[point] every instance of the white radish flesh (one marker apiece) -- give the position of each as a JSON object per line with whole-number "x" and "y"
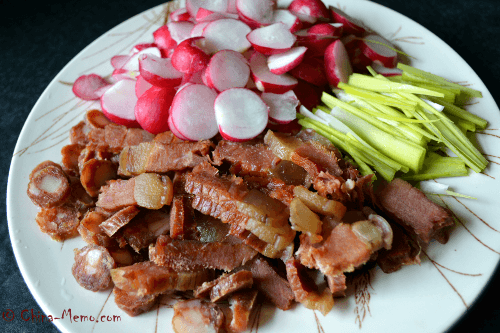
{"x": 379, "y": 49}
{"x": 273, "y": 39}
{"x": 282, "y": 107}
{"x": 351, "y": 25}
{"x": 141, "y": 86}
{"x": 120, "y": 74}
{"x": 89, "y": 87}
{"x": 377, "y": 67}
{"x": 180, "y": 31}
{"x": 227, "y": 69}
{"x": 205, "y": 15}
{"x": 267, "y": 81}
{"x": 255, "y": 13}
{"x": 198, "y": 28}
{"x": 283, "y": 62}
{"x": 193, "y": 6}
{"x": 241, "y": 114}
{"x": 118, "y": 61}
{"x": 174, "y": 129}
{"x": 227, "y": 34}
{"x": 118, "y": 103}
{"x": 189, "y": 56}
{"x": 309, "y": 11}
{"x": 133, "y": 62}
{"x": 193, "y": 113}
{"x": 285, "y": 16}
{"x": 151, "y": 109}
{"x": 337, "y": 64}
{"x": 159, "y": 71}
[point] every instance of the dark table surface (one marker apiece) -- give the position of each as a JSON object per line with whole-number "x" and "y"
{"x": 39, "y": 38}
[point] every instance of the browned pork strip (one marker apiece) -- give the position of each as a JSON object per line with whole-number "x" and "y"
{"x": 145, "y": 228}
{"x": 132, "y": 303}
{"x": 92, "y": 267}
{"x": 241, "y": 304}
{"x": 78, "y": 134}
{"x": 410, "y": 207}
{"x": 118, "y": 220}
{"x": 182, "y": 223}
{"x": 95, "y": 173}
{"x": 197, "y": 316}
{"x": 224, "y": 285}
{"x": 116, "y": 137}
{"x": 246, "y": 158}
{"x": 91, "y": 231}
{"x": 193, "y": 255}
{"x": 69, "y": 155}
{"x": 404, "y": 251}
{"x": 117, "y": 194}
{"x": 147, "y": 278}
{"x": 337, "y": 284}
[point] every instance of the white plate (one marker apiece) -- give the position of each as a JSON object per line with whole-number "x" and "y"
{"x": 425, "y": 298}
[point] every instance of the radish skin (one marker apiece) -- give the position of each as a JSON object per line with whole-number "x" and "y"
{"x": 141, "y": 86}
{"x": 118, "y": 103}
{"x": 309, "y": 11}
{"x": 283, "y": 62}
{"x": 164, "y": 40}
{"x": 272, "y": 39}
{"x": 189, "y": 56}
{"x": 265, "y": 80}
{"x": 284, "y": 16}
{"x": 241, "y": 114}
{"x": 152, "y": 109}
{"x": 378, "y": 49}
{"x": 351, "y": 25}
{"x": 159, "y": 71}
{"x": 180, "y": 14}
{"x": 174, "y": 129}
{"x": 337, "y": 65}
{"x": 312, "y": 70}
{"x": 255, "y": 13}
{"x": 193, "y": 6}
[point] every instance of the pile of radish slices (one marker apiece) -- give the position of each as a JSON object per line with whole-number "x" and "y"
{"x": 235, "y": 67}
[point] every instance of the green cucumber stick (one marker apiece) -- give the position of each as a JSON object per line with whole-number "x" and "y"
{"x": 437, "y": 166}
{"x": 373, "y": 96}
{"x": 456, "y": 111}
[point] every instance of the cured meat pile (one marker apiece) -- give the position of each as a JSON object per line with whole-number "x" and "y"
{"x": 283, "y": 218}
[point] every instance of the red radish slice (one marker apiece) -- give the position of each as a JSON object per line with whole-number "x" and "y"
{"x": 311, "y": 70}
{"x": 267, "y": 81}
{"x": 151, "y": 109}
{"x": 308, "y": 94}
{"x": 193, "y": 113}
{"x": 205, "y": 15}
{"x": 337, "y": 65}
{"x": 120, "y": 74}
{"x": 286, "y": 61}
{"x": 193, "y": 6}
{"x": 198, "y": 28}
{"x": 180, "y": 14}
{"x": 189, "y": 56}
{"x": 379, "y": 49}
{"x": 174, "y": 129}
{"x": 231, "y": 7}
{"x": 118, "y": 103}
{"x": 285, "y": 16}
{"x": 273, "y": 39}
{"x": 255, "y": 13}
{"x": 163, "y": 39}
{"x": 351, "y": 25}
{"x": 359, "y": 61}
{"x": 227, "y": 34}
{"x": 241, "y": 114}
{"x": 88, "y": 87}
{"x": 159, "y": 71}
{"x": 133, "y": 62}
{"x": 118, "y": 61}
{"x": 193, "y": 78}
{"x": 180, "y": 31}
{"x": 309, "y": 11}
{"x": 282, "y": 107}
{"x": 141, "y": 86}
{"x": 318, "y": 37}
{"x": 140, "y": 47}
{"x": 227, "y": 69}
{"x": 386, "y": 71}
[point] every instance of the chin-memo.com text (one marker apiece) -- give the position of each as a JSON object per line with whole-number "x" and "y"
{"x": 34, "y": 316}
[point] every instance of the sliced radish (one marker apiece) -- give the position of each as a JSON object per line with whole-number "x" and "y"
{"x": 180, "y": 31}
{"x": 120, "y": 74}
{"x": 309, "y": 11}
{"x": 267, "y": 81}
{"x": 255, "y": 13}
{"x": 205, "y": 15}
{"x": 159, "y": 71}
{"x": 141, "y": 46}
{"x": 193, "y": 6}
{"x": 351, "y": 25}
{"x": 180, "y": 14}
{"x": 133, "y": 62}
{"x": 198, "y": 28}
{"x": 386, "y": 71}
{"x": 379, "y": 49}
{"x": 273, "y": 39}
{"x": 193, "y": 78}
{"x": 193, "y": 113}
{"x": 312, "y": 70}
{"x": 231, "y": 7}
{"x": 282, "y": 107}
{"x": 227, "y": 69}
{"x": 118, "y": 103}
{"x": 174, "y": 129}
{"x": 292, "y": 127}
{"x": 141, "y": 86}
{"x": 152, "y": 109}
{"x": 227, "y": 34}
{"x": 286, "y": 61}
{"x": 318, "y": 37}
{"x": 89, "y": 87}
{"x": 189, "y": 56}
{"x": 292, "y": 22}
{"x": 308, "y": 94}
{"x": 241, "y": 114}
{"x": 118, "y": 61}
{"x": 163, "y": 40}
{"x": 337, "y": 64}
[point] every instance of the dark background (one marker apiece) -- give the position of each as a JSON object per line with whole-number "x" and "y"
{"x": 38, "y": 38}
